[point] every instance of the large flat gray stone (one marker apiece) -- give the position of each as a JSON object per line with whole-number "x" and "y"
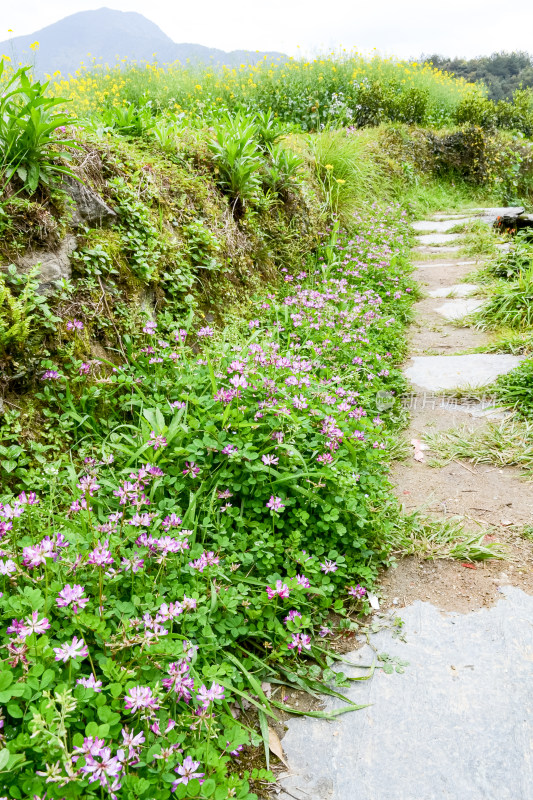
{"x": 437, "y": 373}
{"x": 437, "y": 238}
{"x": 457, "y": 725}
{"x": 443, "y": 264}
{"x": 457, "y": 290}
{"x": 435, "y": 226}
{"x": 431, "y": 249}
{"x": 457, "y": 309}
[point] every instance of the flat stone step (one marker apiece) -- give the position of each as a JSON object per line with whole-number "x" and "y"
{"x": 483, "y": 212}
{"x": 438, "y": 238}
{"x": 457, "y": 309}
{"x": 456, "y": 723}
{"x": 434, "y": 226}
{"x": 457, "y": 290}
{"x": 443, "y": 264}
{"x": 428, "y": 249}
{"x": 441, "y": 225}
{"x": 437, "y": 373}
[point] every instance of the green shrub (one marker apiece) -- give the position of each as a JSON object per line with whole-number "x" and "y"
{"x": 129, "y": 120}
{"x": 238, "y": 160}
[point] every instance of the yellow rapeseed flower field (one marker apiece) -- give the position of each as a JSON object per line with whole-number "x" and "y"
{"x": 308, "y": 92}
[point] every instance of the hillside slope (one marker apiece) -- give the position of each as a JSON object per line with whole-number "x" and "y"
{"x": 107, "y": 36}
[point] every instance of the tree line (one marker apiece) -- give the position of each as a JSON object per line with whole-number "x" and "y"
{"x": 502, "y": 73}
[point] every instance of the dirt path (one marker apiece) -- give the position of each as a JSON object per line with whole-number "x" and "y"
{"x": 457, "y": 721}
{"x": 483, "y": 497}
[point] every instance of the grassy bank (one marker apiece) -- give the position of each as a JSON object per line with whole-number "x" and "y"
{"x": 197, "y": 420}
{"x": 228, "y": 502}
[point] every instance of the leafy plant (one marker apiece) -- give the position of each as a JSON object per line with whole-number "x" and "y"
{"x": 509, "y": 264}
{"x": 281, "y": 171}
{"x": 30, "y": 149}
{"x": 237, "y": 159}
{"x": 131, "y": 119}
{"x": 21, "y": 307}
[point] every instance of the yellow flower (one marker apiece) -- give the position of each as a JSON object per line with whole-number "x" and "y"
{"x": 34, "y": 46}
{"x": 340, "y": 180}
{"x": 329, "y": 166}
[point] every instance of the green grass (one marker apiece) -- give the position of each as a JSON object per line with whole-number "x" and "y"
{"x": 527, "y": 533}
{"x": 508, "y": 443}
{"x": 348, "y": 170}
{"x": 418, "y": 535}
{"x": 513, "y": 342}
{"x": 516, "y": 389}
{"x": 510, "y": 304}
{"x": 479, "y": 240}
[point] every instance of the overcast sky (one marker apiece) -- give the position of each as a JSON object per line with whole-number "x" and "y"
{"x": 408, "y": 28}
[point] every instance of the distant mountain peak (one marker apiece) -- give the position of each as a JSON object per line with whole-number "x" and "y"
{"x": 108, "y": 36}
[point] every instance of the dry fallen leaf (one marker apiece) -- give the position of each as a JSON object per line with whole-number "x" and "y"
{"x": 274, "y": 745}
{"x": 418, "y": 455}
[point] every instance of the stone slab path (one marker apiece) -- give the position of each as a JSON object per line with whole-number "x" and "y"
{"x": 436, "y": 373}
{"x": 458, "y": 723}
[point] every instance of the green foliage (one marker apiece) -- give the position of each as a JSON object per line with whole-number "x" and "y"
{"x": 519, "y": 258}
{"x": 30, "y": 150}
{"x": 248, "y": 158}
{"x": 502, "y": 73}
{"x": 219, "y": 496}
{"x": 510, "y": 304}
{"x": 130, "y": 119}
{"x": 516, "y": 388}
{"x": 282, "y": 169}
{"x": 348, "y": 170}
{"x": 237, "y": 159}
{"x": 23, "y": 311}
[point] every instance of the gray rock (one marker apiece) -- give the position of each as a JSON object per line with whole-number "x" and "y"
{"x": 456, "y": 725}
{"x": 457, "y": 309}
{"x": 437, "y": 238}
{"x": 457, "y": 290}
{"x": 436, "y": 250}
{"x": 434, "y": 226}
{"x": 54, "y": 265}
{"x": 440, "y": 264}
{"x": 89, "y": 208}
{"x": 436, "y": 373}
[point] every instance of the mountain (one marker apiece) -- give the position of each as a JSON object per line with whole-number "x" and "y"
{"x": 107, "y": 36}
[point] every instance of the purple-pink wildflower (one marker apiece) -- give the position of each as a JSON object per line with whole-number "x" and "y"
{"x": 76, "y": 649}
{"x": 275, "y": 504}
{"x": 187, "y": 772}
{"x": 207, "y": 696}
{"x": 72, "y": 595}
{"x": 280, "y": 590}
{"x": 140, "y": 697}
